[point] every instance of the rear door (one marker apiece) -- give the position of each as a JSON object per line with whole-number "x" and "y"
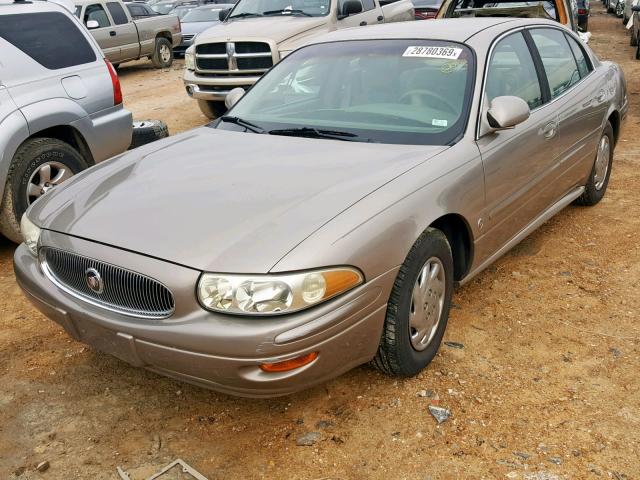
{"x": 126, "y": 31}
{"x": 370, "y": 15}
{"x": 516, "y": 162}
{"x": 104, "y": 34}
{"x": 579, "y": 100}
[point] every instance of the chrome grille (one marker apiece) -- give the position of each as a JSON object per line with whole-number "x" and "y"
{"x": 122, "y": 290}
{"x": 222, "y": 58}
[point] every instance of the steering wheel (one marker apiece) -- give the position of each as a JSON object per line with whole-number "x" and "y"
{"x": 434, "y": 97}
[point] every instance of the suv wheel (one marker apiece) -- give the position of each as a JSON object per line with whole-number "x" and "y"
{"x": 38, "y": 166}
{"x": 212, "y": 110}
{"x": 418, "y": 307}
{"x": 163, "y": 54}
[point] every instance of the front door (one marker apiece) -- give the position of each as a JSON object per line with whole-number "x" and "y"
{"x": 104, "y": 34}
{"x": 370, "y": 15}
{"x": 516, "y": 162}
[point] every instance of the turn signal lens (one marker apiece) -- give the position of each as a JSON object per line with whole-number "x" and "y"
{"x": 289, "y": 365}
{"x": 274, "y": 294}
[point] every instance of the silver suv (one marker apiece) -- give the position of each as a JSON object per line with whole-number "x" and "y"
{"x": 60, "y": 105}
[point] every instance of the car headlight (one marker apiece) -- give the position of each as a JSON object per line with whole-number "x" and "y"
{"x": 190, "y": 59}
{"x": 274, "y": 294}
{"x": 30, "y": 234}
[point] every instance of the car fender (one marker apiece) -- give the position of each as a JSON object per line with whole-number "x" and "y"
{"x": 52, "y": 112}
{"x": 376, "y": 234}
{"x": 14, "y": 131}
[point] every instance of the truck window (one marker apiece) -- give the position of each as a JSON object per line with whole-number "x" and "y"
{"x": 97, "y": 13}
{"x": 117, "y": 13}
{"x": 50, "y": 38}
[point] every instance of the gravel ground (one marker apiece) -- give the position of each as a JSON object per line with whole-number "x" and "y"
{"x": 545, "y": 385}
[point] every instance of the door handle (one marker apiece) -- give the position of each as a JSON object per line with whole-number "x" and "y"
{"x": 550, "y": 130}
{"x": 380, "y": 18}
{"x": 362, "y": 24}
{"x": 112, "y": 33}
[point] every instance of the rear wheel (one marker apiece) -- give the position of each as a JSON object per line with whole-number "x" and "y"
{"x": 212, "y": 110}
{"x": 163, "y": 54}
{"x": 601, "y": 171}
{"x": 418, "y": 308}
{"x": 148, "y": 131}
{"x": 633, "y": 38}
{"x": 39, "y": 165}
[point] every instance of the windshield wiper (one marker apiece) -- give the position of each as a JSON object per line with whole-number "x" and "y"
{"x": 288, "y": 10}
{"x": 319, "y": 133}
{"x": 243, "y": 123}
{"x": 246, "y": 14}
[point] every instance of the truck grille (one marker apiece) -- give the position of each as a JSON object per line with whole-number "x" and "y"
{"x": 187, "y": 38}
{"x": 234, "y": 57}
{"x": 115, "y": 288}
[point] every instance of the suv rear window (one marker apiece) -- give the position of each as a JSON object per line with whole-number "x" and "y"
{"x": 50, "y": 38}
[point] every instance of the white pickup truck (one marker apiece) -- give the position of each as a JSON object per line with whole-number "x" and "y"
{"x": 256, "y": 34}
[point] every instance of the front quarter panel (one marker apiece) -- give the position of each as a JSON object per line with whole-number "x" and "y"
{"x": 376, "y": 234}
{"x": 13, "y": 131}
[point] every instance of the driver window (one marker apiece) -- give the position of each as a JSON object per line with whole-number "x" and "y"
{"x": 512, "y": 72}
{"x": 559, "y": 63}
{"x": 97, "y": 13}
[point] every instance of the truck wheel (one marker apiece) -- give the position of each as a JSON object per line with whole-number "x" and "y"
{"x": 418, "y": 307}
{"x": 148, "y": 131}
{"x": 163, "y": 54}
{"x": 212, "y": 110}
{"x": 633, "y": 41}
{"x": 38, "y": 166}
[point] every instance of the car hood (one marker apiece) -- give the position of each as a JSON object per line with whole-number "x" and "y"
{"x": 193, "y": 28}
{"x": 276, "y": 28}
{"x": 219, "y": 200}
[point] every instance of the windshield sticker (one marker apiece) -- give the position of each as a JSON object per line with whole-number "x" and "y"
{"x": 439, "y": 123}
{"x": 449, "y": 53}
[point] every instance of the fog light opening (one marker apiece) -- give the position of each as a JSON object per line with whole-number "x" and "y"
{"x": 288, "y": 365}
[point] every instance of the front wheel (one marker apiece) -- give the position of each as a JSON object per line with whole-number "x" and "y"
{"x": 418, "y": 308}
{"x": 163, "y": 53}
{"x": 596, "y": 186}
{"x": 212, "y": 110}
{"x": 39, "y": 165}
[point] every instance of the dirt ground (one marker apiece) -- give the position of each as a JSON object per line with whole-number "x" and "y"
{"x": 545, "y": 386}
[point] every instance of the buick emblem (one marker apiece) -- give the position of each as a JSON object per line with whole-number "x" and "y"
{"x": 94, "y": 280}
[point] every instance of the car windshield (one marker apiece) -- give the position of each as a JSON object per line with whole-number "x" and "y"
{"x": 313, "y": 8}
{"x": 486, "y": 8}
{"x": 163, "y": 8}
{"x": 388, "y": 91}
{"x": 202, "y": 15}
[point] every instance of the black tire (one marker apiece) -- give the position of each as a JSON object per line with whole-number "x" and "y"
{"x": 163, "y": 53}
{"x": 396, "y": 353}
{"x": 633, "y": 38}
{"x": 31, "y": 155}
{"x": 148, "y": 131}
{"x": 592, "y": 194}
{"x": 638, "y": 51}
{"x": 116, "y": 66}
{"x": 212, "y": 110}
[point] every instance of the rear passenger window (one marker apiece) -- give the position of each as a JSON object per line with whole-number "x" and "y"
{"x": 50, "y": 38}
{"x": 97, "y": 13}
{"x": 117, "y": 13}
{"x": 584, "y": 67}
{"x": 559, "y": 64}
{"x": 512, "y": 72}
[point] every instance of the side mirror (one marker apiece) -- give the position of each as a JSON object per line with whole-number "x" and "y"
{"x": 350, "y": 7}
{"x": 233, "y": 96}
{"x": 507, "y": 112}
{"x": 222, "y": 14}
{"x": 91, "y": 24}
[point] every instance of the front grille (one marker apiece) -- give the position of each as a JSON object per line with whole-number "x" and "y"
{"x": 234, "y": 57}
{"x": 123, "y": 291}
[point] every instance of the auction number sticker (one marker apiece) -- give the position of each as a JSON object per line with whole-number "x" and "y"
{"x": 449, "y": 53}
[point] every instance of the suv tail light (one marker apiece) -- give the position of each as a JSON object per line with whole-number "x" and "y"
{"x": 582, "y": 11}
{"x": 117, "y": 91}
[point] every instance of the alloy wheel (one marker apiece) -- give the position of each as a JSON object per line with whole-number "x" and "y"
{"x": 427, "y": 302}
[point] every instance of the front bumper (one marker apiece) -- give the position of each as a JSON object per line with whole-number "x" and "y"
{"x": 203, "y": 87}
{"x": 215, "y": 351}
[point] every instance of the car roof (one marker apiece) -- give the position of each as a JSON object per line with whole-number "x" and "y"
{"x": 214, "y": 6}
{"x": 452, "y": 29}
